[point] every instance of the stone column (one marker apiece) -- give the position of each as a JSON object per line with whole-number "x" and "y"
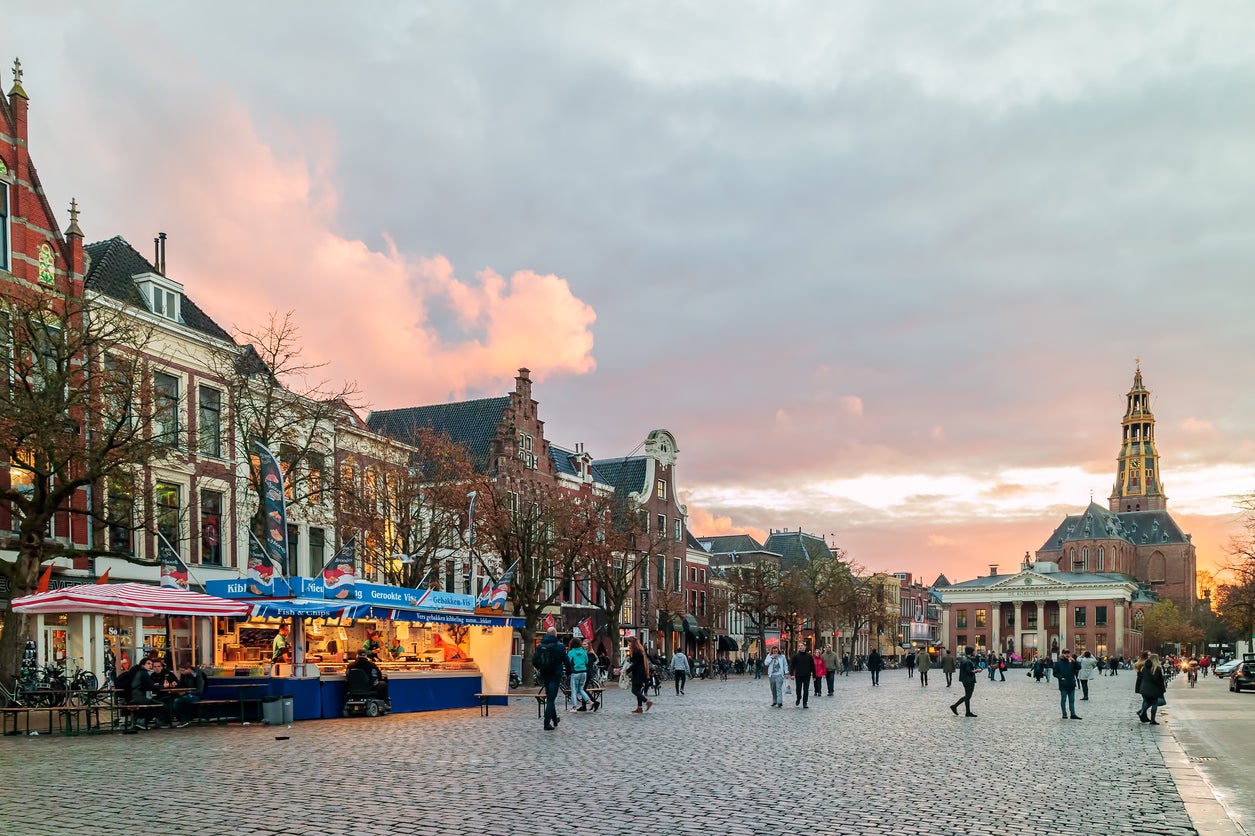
{"x": 1063, "y": 624}
{"x": 1118, "y": 644}
{"x": 995, "y": 617}
{"x": 1043, "y": 635}
{"x": 946, "y": 638}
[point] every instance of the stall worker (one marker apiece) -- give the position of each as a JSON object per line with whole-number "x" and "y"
{"x": 280, "y": 643}
{"x": 372, "y": 645}
{"x": 395, "y": 650}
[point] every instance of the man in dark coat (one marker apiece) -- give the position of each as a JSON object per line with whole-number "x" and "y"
{"x": 1065, "y": 674}
{"x": 967, "y": 678}
{"x": 803, "y": 666}
{"x": 947, "y": 667}
{"x": 875, "y": 664}
{"x": 552, "y": 677}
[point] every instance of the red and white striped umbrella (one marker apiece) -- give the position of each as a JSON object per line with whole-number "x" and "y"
{"x": 128, "y": 599}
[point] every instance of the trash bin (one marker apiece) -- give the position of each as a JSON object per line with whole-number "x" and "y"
{"x": 285, "y": 702}
{"x": 272, "y": 711}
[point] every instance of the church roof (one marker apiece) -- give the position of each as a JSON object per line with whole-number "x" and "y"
{"x": 1135, "y": 527}
{"x": 473, "y": 424}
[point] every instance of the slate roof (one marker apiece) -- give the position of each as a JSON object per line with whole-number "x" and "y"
{"x": 691, "y": 542}
{"x": 115, "y": 263}
{"x": 626, "y": 475}
{"x": 941, "y": 582}
{"x": 728, "y": 543}
{"x": 563, "y": 463}
{"x": 1097, "y": 523}
{"x": 796, "y": 547}
{"x": 1064, "y": 577}
{"x": 473, "y": 424}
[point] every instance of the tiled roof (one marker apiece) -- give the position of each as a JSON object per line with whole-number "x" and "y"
{"x": 1097, "y": 523}
{"x": 564, "y": 463}
{"x": 473, "y": 424}
{"x": 113, "y": 265}
{"x": 691, "y": 542}
{"x": 796, "y": 547}
{"x": 728, "y": 543}
{"x": 627, "y": 475}
{"x": 941, "y": 582}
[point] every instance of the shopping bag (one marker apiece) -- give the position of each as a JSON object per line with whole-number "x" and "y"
{"x": 788, "y": 688}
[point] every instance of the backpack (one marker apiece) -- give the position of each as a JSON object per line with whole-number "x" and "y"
{"x": 546, "y": 659}
{"x": 122, "y": 682}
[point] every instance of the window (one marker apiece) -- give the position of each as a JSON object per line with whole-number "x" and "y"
{"x": 121, "y": 514}
{"x": 1084, "y": 561}
{"x": 165, "y": 302}
{"x": 211, "y": 527}
{"x": 1011, "y": 617}
{"x": 209, "y": 421}
{"x": 980, "y": 641}
{"x": 643, "y": 518}
{"x": 662, "y": 525}
{"x": 962, "y": 640}
{"x": 287, "y": 464}
{"x": 1078, "y": 644}
{"x": 1080, "y": 617}
{"x": 317, "y": 550}
{"x": 167, "y": 501}
{"x": 6, "y": 351}
{"x": 22, "y": 479}
{"x": 294, "y": 542}
{"x": 662, "y": 489}
{"x": 960, "y": 619}
{"x": 166, "y": 409}
{"x": 448, "y": 576}
{"x": 679, "y": 529}
{"x": 662, "y": 572}
{"x": 980, "y": 618}
{"x": 315, "y": 463}
{"x": 1100, "y": 644}
{"x": 1102, "y": 561}
{"x": 1100, "y": 616}
{"x": 1030, "y": 619}
{"x": 678, "y": 572}
{"x": 4, "y": 223}
{"x": 1052, "y": 618}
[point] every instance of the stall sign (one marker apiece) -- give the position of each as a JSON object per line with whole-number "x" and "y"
{"x": 238, "y": 588}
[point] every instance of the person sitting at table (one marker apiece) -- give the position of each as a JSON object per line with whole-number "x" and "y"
{"x": 378, "y": 681}
{"x": 185, "y": 704}
{"x": 162, "y": 677}
{"x": 142, "y": 693}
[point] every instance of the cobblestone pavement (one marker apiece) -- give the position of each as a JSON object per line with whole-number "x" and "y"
{"x": 889, "y": 760}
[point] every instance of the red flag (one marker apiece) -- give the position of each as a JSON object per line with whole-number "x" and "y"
{"x": 45, "y": 579}
{"x": 104, "y": 578}
{"x": 586, "y": 628}
{"x": 547, "y": 623}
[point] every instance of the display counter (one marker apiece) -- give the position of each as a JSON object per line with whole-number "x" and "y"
{"x": 323, "y": 696}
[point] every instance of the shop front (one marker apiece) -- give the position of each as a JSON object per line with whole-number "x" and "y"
{"x": 435, "y": 650}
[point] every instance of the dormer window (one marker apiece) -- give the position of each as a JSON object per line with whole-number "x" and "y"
{"x": 164, "y": 297}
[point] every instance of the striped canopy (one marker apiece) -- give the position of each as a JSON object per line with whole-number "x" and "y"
{"x": 128, "y": 599}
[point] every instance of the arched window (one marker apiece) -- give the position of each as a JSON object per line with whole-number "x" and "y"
{"x": 1102, "y": 562}
{"x": 1084, "y": 564}
{"x": 1072, "y": 554}
{"x": 1156, "y": 568}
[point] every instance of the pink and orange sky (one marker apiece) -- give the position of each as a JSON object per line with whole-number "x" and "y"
{"x": 883, "y": 275}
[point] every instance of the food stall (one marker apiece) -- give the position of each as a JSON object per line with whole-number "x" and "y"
{"x": 436, "y": 651}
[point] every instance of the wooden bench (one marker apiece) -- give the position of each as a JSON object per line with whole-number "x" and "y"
{"x": 70, "y": 717}
{"x": 485, "y": 696}
{"x": 594, "y": 692}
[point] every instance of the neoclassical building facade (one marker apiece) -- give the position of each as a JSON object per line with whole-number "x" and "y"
{"x": 1097, "y": 572}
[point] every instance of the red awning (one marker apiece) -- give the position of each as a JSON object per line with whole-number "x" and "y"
{"x": 128, "y": 599}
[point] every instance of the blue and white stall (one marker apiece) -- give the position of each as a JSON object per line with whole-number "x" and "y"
{"x": 436, "y": 651}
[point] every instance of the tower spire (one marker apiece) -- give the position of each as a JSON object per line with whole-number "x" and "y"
{"x": 1137, "y": 486}
{"x": 17, "y": 80}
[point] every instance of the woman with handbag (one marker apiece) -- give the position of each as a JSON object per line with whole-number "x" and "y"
{"x": 639, "y": 673}
{"x": 1151, "y": 685}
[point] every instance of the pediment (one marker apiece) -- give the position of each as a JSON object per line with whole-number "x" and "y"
{"x": 1030, "y": 580}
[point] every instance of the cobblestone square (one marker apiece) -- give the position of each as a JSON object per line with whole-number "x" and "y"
{"x": 891, "y": 760}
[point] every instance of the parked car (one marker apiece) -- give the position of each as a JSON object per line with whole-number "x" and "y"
{"x": 1227, "y": 668}
{"x": 1243, "y": 676}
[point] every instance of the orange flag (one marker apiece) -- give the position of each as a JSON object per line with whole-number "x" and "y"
{"x": 103, "y": 578}
{"x": 45, "y": 579}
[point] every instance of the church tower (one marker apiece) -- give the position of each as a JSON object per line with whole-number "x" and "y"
{"x": 1137, "y": 486}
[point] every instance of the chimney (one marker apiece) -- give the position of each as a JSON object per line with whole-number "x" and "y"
{"x": 161, "y": 238}
{"x": 993, "y": 570}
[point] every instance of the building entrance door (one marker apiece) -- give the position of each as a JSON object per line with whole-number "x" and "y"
{"x": 1028, "y": 646}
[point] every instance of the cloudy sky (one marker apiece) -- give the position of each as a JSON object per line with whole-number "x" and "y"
{"x": 883, "y": 269}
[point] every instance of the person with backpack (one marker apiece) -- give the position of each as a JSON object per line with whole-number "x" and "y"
{"x": 550, "y": 661}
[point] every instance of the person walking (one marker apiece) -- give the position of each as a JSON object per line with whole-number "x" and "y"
{"x": 991, "y": 663}
{"x": 947, "y": 667}
{"x": 875, "y": 664}
{"x": 803, "y": 665}
{"x": 1152, "y": 685}
{"x": 550, "y": 660}
{"x": 776, "y": 670}
{"x": 910, "y": 665}
{"x": 821, "y": 671}
{"x": 924, "y": 663}
{"x": 845, "y": 665}
{"x": 1065, "y": 674}
{"x": 639, "y": 674}
{"x": 830, "y": 662}
{"x": 1088, "y": 666}
{"x": 580, "y": 663}
{"x": 967, "y": 678}
{"x": 679, "y": 670}
{"x": 1002, "y": 668}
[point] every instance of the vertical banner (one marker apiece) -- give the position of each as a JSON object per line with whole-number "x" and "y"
{"x": 273, "y": 509}
{"x": 261, "y": 570}
{"x": 173, "y": 569}
{"x": 492, "y": 600}
{"x": 470, "y": 520}
{"x": 548, "y": 622}
{"x": 339, "y": 576}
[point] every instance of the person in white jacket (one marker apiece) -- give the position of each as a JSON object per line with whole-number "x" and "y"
{"x": 776, "y": 668}
{"x": 1088, "y": 667}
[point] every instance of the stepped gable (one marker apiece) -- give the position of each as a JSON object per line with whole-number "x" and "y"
{"x": 111, "y": 271}
{"x": 473, "y": 424}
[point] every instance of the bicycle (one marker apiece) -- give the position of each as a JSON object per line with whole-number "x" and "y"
{"x": 1192, "y": 676}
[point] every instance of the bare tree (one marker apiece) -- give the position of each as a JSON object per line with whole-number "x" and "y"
{"x": 78, "y": 410}
{"x": 752, "y": 590}
{"x": 280, "y": 399}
